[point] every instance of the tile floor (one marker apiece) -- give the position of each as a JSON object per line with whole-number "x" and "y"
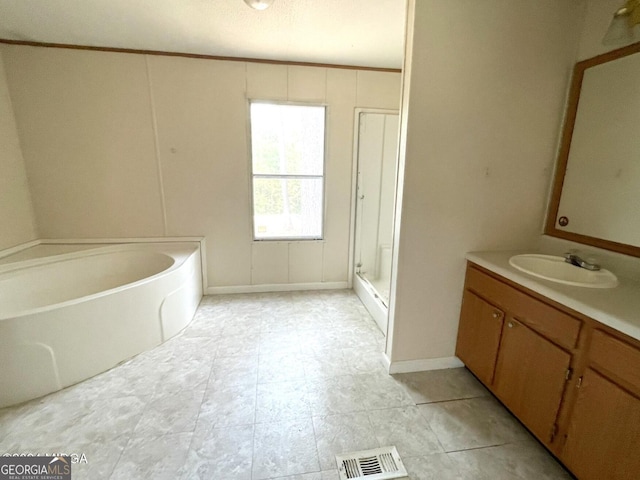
{"x": 272, "y": 386}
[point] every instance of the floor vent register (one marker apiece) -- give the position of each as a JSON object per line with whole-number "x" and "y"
{"x": 377, "y": 464}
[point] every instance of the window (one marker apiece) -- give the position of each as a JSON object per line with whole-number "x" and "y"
{"x": 287, "y": 160}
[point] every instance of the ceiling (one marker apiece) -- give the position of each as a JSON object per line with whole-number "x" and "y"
{"x": 343, "y": 32}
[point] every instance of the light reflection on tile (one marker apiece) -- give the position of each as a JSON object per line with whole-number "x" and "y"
{"x": 280, "y": 367}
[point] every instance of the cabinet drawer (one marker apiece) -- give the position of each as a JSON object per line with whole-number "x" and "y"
{"x": 616, "y": 356}
{"x": 554, "y": 324}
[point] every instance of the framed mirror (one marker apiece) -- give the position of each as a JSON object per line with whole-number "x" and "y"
{"x": 596, "y": 191}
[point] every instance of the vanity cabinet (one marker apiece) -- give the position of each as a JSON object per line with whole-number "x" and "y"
{"x": 573, "y": 382}
{"x": 479, "y": 335}
{"x": 530, "y": 378}
{"x": 519, "y": 347}
{"x": 603, "y": 435}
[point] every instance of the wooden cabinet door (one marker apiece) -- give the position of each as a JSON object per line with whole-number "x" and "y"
{"x": 479, "y": 336}
{"x": 530, "y": 379}
{"x": 603, "y": 439}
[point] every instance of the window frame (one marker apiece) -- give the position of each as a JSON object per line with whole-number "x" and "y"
{"x": 252, "y": 175}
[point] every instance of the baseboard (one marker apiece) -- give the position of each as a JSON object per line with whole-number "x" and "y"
{"x": 277, "y": 287}
{"x": 422, "y": 365}
{"x": 386, "y": 361}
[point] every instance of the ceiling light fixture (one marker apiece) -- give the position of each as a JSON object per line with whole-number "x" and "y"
{"x": 624, "y": 28}
{"x": 259, "y": 4}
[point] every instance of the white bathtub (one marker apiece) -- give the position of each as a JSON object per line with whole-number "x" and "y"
{"x": 67, "y": 317}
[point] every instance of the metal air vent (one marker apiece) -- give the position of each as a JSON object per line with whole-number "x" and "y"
{"x": 377, "y": 464}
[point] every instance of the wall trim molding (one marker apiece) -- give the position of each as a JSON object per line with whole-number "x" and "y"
{"x": 192, "y": 55}
{"x": 18, "y": 248}
{"x": 408, "y": 366}
{"x": 277, "y": 287}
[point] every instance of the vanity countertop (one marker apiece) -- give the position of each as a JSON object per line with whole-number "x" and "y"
{"x": 618, "y": 307}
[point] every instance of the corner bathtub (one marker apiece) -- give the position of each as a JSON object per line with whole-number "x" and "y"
{"x": 67, "y": 317}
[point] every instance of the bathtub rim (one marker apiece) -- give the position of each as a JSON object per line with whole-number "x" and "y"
{"x": 175, "y": 250}
{"x": 106, "y": 241}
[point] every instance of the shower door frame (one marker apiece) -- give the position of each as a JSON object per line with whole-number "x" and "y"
{"x": 354, "y": 195}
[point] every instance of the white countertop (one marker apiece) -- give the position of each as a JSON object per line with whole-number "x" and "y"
{"x": 618, "y": 307}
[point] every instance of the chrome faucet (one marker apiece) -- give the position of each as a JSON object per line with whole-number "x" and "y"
{"x": 574, "y": 259}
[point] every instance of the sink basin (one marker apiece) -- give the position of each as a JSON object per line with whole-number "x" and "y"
{"x": 557, "y": 270}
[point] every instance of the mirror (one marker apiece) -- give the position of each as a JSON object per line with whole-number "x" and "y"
{"x": 596, "y": 193}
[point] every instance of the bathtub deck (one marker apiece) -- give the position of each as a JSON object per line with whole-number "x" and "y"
{"x": 272, "y": 386}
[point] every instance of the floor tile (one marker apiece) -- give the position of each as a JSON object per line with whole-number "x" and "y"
{"x": 405, "y": 428}
{"x": 331, "y": 364}
{"x": 153, "y": 457}
{"x": 173, "y": 413}
{"x": 472, "y": 423}
{"x": 282, "y": 401}
{"x": 224, "y": 453}
{"x": 359, "y": 361}
{"x": 284, "y": 448}
{"x": 437, "y": 466}
{"x": 303, "y": 476}
{"x": 381, "y": 391}
{"x": 228, "y": 405}
{"x": 441, "y": 385}
{"x": 342, "y": 434}
{"x": 241, "y": 370}
{"x": 245, "y": 326}
{"x": 334, "y": 395}
{"x": 237, "y": 345}
{"x": 272, "y": 385}
{"x": 49, "y": 425}
{"x": 280, "y": 367}
{"x": 101, "y": 459}
{"x": 508, "y": 462}
{"x": 279, "y": 341}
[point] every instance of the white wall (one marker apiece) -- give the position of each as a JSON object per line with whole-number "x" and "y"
{"x": 596, "y": 22}
{"x": 17, "y": 223}
{"x": 128, "y": 145}
{"x": 483, "y": 101}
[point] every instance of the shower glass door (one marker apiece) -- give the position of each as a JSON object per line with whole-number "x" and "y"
{"x": 377, "y": 162}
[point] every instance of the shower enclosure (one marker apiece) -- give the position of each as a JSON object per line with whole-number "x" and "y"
{"x": 377, "y": 153}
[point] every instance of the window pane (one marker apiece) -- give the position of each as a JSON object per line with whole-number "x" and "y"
{"x": 286, "y": 208}
{"x": 287, "y": 139}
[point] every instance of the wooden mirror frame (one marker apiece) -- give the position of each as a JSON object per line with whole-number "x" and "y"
{"x": 563, "y": 156}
